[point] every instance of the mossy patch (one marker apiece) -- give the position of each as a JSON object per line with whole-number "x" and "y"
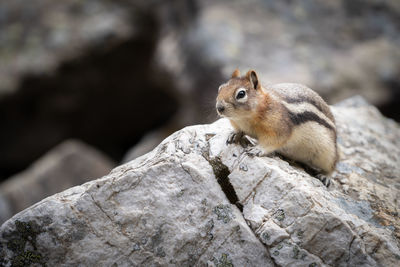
{"x": 296, "y": 252}
{"x": 223, "y": 261}
{"x": 300, "y": 233}
{"x": 265, "y": 236}
{"x": 22, "y": 242}
{"x": 224, "y": 213}
{"x": 280, "y": 215}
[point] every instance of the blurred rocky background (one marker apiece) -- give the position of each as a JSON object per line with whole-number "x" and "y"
{"x": 109, "y": 79}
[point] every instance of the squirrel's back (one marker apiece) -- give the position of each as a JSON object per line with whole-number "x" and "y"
{"x": 314, "y": 140}
{"x": 298, "y": 94}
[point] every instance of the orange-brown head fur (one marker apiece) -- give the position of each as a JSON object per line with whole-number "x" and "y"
{"x": 230, "y": 104}
{"x": 257, "y": 114}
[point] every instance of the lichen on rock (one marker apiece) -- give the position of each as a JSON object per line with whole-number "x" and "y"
{"x": 22, "y": 242}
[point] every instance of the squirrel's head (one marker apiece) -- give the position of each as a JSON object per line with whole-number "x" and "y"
{"x": 238, "y": 96}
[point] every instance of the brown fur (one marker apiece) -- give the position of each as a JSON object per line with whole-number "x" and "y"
{"x": 264, "y": 119}
{"x": 236, "y": 73}
{"x": 265, "y": 115}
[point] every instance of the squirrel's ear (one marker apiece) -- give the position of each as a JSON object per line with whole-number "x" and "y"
{"x": 236, "y": 73}
{"x": 253, "y": 78}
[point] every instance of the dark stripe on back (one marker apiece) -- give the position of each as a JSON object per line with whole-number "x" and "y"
{"x": 303, "y": 117}
{"x": 291, "y": 100}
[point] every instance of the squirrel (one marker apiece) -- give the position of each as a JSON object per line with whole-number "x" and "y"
{"x": 287, "y": 118}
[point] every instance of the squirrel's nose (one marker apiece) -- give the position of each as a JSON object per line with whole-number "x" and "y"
{"x": 220, "y": 108}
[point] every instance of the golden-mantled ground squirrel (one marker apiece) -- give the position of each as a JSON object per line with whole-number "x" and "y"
{"x": 287, "y": 118}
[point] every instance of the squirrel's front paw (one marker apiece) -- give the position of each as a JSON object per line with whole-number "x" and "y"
{"x": 240, "y": 138}
{"x": 234, "y": 138}
{"x": 324, "y": 179}
{"x": 255, "y": 152}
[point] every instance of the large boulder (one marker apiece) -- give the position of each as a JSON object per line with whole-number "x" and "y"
{"x": 194, "y": 200}
{"x": 69, "y": 164}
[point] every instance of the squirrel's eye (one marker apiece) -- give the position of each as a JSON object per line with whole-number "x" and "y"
{"x": 241, "y": 94}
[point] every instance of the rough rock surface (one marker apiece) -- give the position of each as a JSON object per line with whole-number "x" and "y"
{"x": 68, "y": 164}
{"x": 195, "y": 201}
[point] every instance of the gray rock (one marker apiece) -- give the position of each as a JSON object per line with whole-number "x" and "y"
{"x": 194, "y": 200}
{"x": 165, "y": 208}
{"x": 68, "y": 164}
{"x": 146, "y": 144}
{"x": 5, "y": 209}
{"x": 37, "y": 36}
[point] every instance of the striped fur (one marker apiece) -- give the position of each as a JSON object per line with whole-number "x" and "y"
{"x": 307, "y": 116}
{"x": 288, "y": 118}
